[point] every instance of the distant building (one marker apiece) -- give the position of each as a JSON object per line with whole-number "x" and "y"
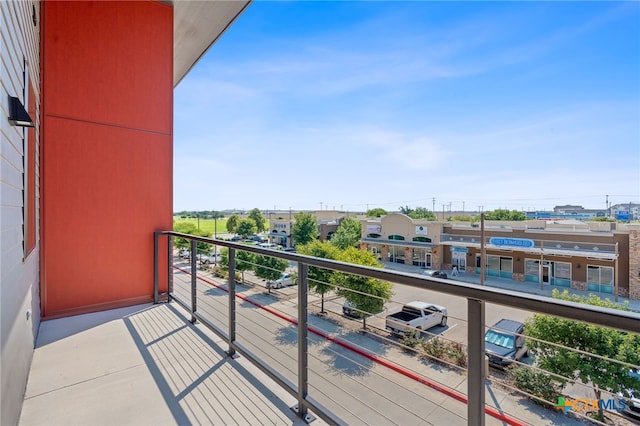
{"x": 328, "y": 223}
{"x": 628, "y": 211}
{"x": 602, "y": 257}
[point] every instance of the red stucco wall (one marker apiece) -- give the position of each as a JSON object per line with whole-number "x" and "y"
{"x": 106, "y": 151}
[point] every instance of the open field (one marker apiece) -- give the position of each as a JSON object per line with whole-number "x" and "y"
{"x": 212, "y": 227}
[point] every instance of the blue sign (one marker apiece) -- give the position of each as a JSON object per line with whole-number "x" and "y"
{"x": 511, "y": 242}
{"x": 459, "y": 249}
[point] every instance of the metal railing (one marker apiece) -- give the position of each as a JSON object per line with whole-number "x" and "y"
{"x": 475, "y": 295}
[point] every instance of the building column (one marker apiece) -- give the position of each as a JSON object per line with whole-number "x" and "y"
{"x": 634, "y": 264}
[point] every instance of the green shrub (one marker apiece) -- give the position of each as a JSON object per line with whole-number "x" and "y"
{"x": 456, "y": 354}
{"x": 434, "y": 347}
{"x": 537, "y": 383}
{"x": 410, "y": 340}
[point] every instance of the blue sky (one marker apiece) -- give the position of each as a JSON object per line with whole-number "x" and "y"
{"x": 356, "y": 104}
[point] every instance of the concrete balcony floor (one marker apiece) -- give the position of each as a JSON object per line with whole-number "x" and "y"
{"x": 145, "y": 365}
{"x": 148, "y": 365}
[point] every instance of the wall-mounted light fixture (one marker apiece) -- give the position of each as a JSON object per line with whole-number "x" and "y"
{"x": 578, "y": 266}
{"x": 517, "y": 259}
{"x": 18, "y": 116}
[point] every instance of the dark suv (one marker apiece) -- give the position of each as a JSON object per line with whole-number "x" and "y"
{"x": 504, "y": 343}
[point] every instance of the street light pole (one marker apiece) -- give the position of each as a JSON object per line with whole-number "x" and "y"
{"x": 482, "y": 250}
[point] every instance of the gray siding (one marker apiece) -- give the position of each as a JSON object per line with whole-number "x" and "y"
{"x": 19, "y": 276}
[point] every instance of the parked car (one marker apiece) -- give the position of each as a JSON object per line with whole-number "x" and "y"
{"x": 416, "y": 315}
{"x": 208, "y": 258}
{"x": 285, "y": 280}
{"x": 236, "y": 238}
{"x": 269, "y": 246}
{"x": 351, "y": 310}
{"x": 184, "y": 253}
{"x": 435, "y": 273}
{"x": 631, "y": 398}
{"x": 504, "y": 343}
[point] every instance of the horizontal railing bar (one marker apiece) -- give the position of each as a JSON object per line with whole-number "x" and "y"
{"x": 607, "y": 317}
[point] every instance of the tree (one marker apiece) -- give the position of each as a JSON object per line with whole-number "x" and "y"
{"x": 418, "y": 213}
{"x": 232, "y": 223}
{"x": 463, "y": 219}
{"x": 377, "y": 212}
{"x": 183, "y": 228}
{"x": 269, "y": 268}
{"x": 348, "y": 233}
{"x": 422, "y": 213}
{"x": 259, "y": 219}
{"x": 608, "y": 343}
{"x": 191, "y": 229}
{"x": 246, "y": 227}
{"x": 320, "y": 279}
{"x": 305, "y": 228}
{"x": 504, "y": 214}
{"x": 367, "y": 294}
{"x": 245, "y": 261}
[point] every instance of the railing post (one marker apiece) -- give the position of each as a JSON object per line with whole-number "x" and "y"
{"x": 476, "y": 367}
{"x": 169, "y": 267}
{"x": 232, "y": 302}
{"x": 303, "y": 351}
{"x": 194, "y": 279}
{"x": 156, "y": 273}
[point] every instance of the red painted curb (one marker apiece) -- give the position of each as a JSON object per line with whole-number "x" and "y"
{"x": 384, "y": 362}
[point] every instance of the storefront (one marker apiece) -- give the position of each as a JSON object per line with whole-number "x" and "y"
{"x": 553, "y": 254}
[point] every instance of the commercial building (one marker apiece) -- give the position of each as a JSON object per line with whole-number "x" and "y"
{"x": 603, "y": 257}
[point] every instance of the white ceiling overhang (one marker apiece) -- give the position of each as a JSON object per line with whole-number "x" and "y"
{"x": 197, "y": 25}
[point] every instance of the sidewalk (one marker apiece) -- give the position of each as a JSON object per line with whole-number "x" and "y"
{"x": 524, "y": 287}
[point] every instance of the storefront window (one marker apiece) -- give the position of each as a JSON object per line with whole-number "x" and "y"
{"x": 562, "y": 274}
{"x": 499, "y": 266}
{"x": 600, "y": 278}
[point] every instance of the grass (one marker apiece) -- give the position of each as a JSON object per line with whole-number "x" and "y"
{"x": 209, "y": 225}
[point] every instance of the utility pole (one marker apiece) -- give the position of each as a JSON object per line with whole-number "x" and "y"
{"x": 615, "y": 275}
{"x": 434, "y": 205}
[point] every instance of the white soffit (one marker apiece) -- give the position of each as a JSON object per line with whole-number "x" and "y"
{"x": 197, "y": 24}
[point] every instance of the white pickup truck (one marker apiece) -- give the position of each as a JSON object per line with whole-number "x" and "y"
{"x": 416, "y": 315}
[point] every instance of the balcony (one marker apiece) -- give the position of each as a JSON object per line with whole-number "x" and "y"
{"x": 235, "y": 352}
